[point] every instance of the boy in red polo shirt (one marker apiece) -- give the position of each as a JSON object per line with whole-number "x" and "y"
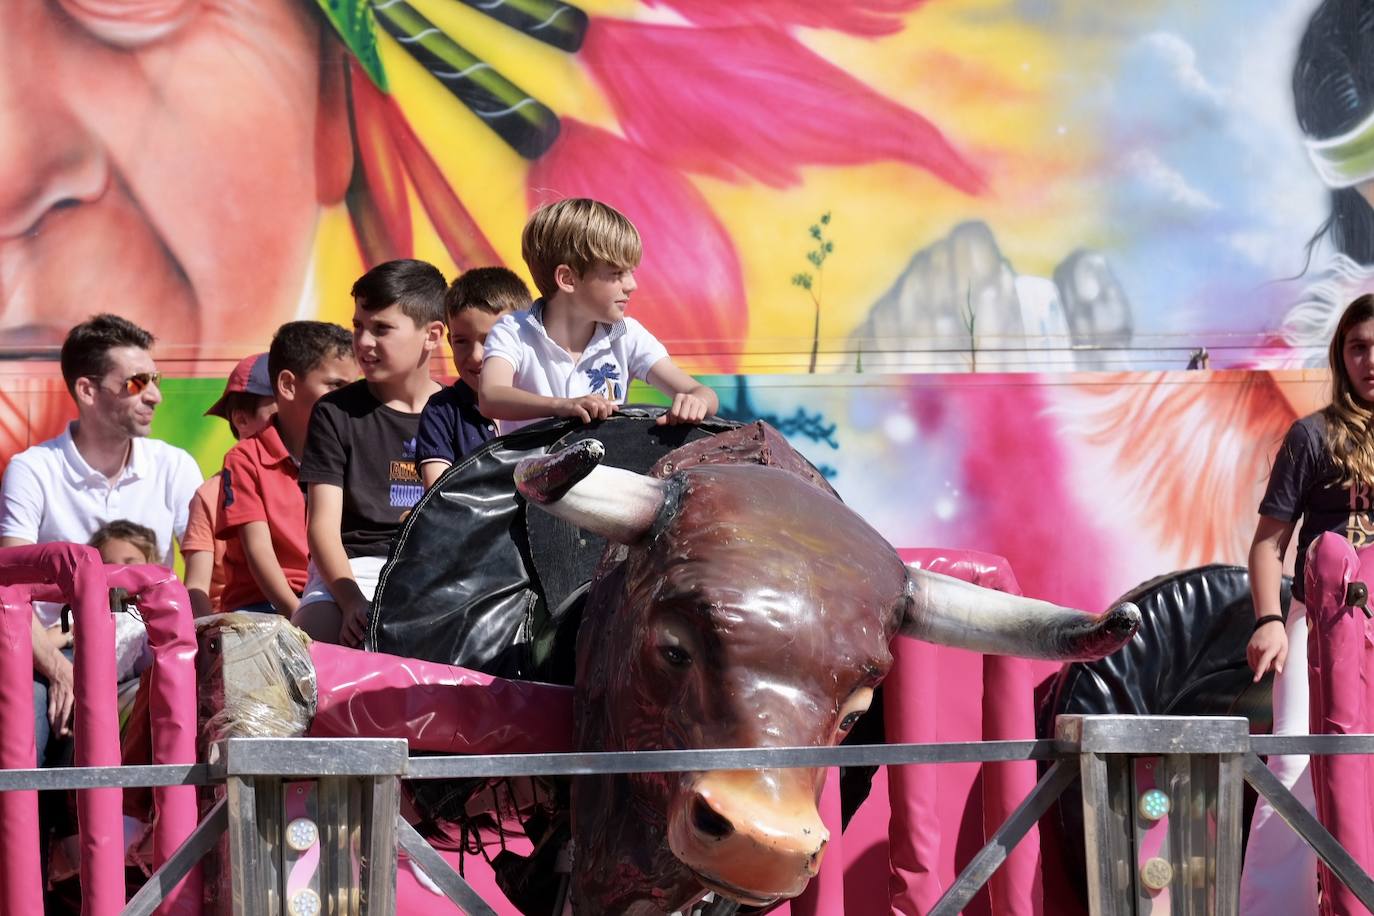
{"x": 247, "y": 404}
{"x": 262, "y": 509}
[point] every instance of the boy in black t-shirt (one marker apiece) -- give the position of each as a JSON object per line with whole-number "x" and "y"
{"x": 359, "y": 459}
{"x": 451, "y": 425}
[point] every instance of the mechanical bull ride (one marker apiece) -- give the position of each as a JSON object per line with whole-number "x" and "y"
{"x": 738, "y": 603}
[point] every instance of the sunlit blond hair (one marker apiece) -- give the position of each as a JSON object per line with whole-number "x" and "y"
{"x": 1349, "y": 435}
{"x": 577, "y": 232}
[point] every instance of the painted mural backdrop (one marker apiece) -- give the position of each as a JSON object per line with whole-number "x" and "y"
{"x": 916, "y": 199}
{"x": 849, "y": 185}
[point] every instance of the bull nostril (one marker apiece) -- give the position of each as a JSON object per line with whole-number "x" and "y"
{"x": 709, "y": 822}
{"x": 813, "y": 862}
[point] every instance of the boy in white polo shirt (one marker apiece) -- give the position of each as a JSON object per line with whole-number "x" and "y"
{"x": 574, "y": 353}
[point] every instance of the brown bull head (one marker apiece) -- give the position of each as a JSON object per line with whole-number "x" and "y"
{"x": 745, "y": 607}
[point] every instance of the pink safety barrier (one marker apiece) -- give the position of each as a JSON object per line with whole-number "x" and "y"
{"x": 1340, "y": 670}
{"x": 1008, "y": 713}
{"x": 78, "y": 577}
{"x": 436, "y": 707}
{"x": 22, "y": 889}
{"x": 74, "y": 574}
{"x": 166, "y": 611}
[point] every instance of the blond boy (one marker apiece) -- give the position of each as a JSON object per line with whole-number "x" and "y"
{"x": 574, "y": 353}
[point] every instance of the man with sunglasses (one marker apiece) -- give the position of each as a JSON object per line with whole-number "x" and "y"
{"x": 102, "y": 468}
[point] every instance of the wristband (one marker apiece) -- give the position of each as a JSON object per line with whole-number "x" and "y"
{"x": 1267, "y": 618}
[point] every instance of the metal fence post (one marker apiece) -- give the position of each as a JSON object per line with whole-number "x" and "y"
{"x": 1180, "y": 835}
{"x": 289, "y": 797}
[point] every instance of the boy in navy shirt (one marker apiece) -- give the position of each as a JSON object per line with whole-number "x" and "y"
{"x": 450, "y": 425}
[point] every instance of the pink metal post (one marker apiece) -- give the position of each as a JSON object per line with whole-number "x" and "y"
{"x": 21, "y": 892}
{"x": 1340, "y": 664}
{"x": 78, "y": 577}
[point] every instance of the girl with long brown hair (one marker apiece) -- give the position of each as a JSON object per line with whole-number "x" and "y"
{"x": 1324, "y": 475}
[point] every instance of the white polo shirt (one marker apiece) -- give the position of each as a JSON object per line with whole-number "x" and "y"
{"x": 617, "y": 354}
{"x": 50, "y": 493}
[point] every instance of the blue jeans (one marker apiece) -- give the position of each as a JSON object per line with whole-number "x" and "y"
{"x": 60, "y": 754}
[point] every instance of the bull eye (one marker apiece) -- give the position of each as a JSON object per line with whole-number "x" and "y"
{"x": 850, "y": 720}
{"x": 676, "y": 656}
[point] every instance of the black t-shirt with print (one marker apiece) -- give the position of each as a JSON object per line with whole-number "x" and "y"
{"x": 1306, "y": 483}
{"x": 358, "y": 443}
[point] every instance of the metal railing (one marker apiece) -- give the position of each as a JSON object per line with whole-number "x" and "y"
{"x": 1204, "y": 762}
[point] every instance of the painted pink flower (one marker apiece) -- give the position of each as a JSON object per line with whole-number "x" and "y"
{"x": 691, "y": 289}
{"x": 377, "y": 199}
{"x": 753, "y": 102}
{"x": 859, "y": 17}
{"x": 462, "y": 237}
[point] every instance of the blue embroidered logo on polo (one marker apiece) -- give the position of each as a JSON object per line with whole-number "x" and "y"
{"x": 602, "y": 376}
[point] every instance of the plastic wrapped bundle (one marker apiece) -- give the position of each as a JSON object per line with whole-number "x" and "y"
{"x": 256, "y": 677}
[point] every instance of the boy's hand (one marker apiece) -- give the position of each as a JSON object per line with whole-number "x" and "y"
{"x": 686, "y": 408}
{"x": 353, "y": 627}
{"x": 587, "y": 408}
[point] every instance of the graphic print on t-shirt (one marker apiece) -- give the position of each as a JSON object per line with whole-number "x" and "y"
{"x": 1359, "y": 530}
{"x": 406, "y": 488}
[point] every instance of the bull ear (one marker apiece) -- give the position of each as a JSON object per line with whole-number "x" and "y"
{"x": 951, "y": 612}
{"x": 619, "y": 505}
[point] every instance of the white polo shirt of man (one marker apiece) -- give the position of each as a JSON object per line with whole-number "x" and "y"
{"x": 50, "y": 493}
{"x": 617, "y": 354}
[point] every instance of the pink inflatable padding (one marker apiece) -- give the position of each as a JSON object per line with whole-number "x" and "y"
{"x": 22, "y": 890}
{"x": 166, "y": 611}
{"x": 1340, "y": 669}
{"x": 1008, "y": 713}
{"x": 436, "y": 707}
{"x": 75, "y": 574}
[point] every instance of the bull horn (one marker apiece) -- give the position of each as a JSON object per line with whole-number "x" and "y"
{"x": 571, "y": 484}
{"x": 951, "y": 612}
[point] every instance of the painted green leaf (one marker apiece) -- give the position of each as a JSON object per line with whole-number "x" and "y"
{"x": 354, "y": 22}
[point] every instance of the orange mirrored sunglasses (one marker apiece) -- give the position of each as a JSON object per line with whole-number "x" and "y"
{"x": 137, "y": 383}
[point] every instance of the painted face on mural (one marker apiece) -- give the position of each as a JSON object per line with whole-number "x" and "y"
{"x": 135, "y": 173}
